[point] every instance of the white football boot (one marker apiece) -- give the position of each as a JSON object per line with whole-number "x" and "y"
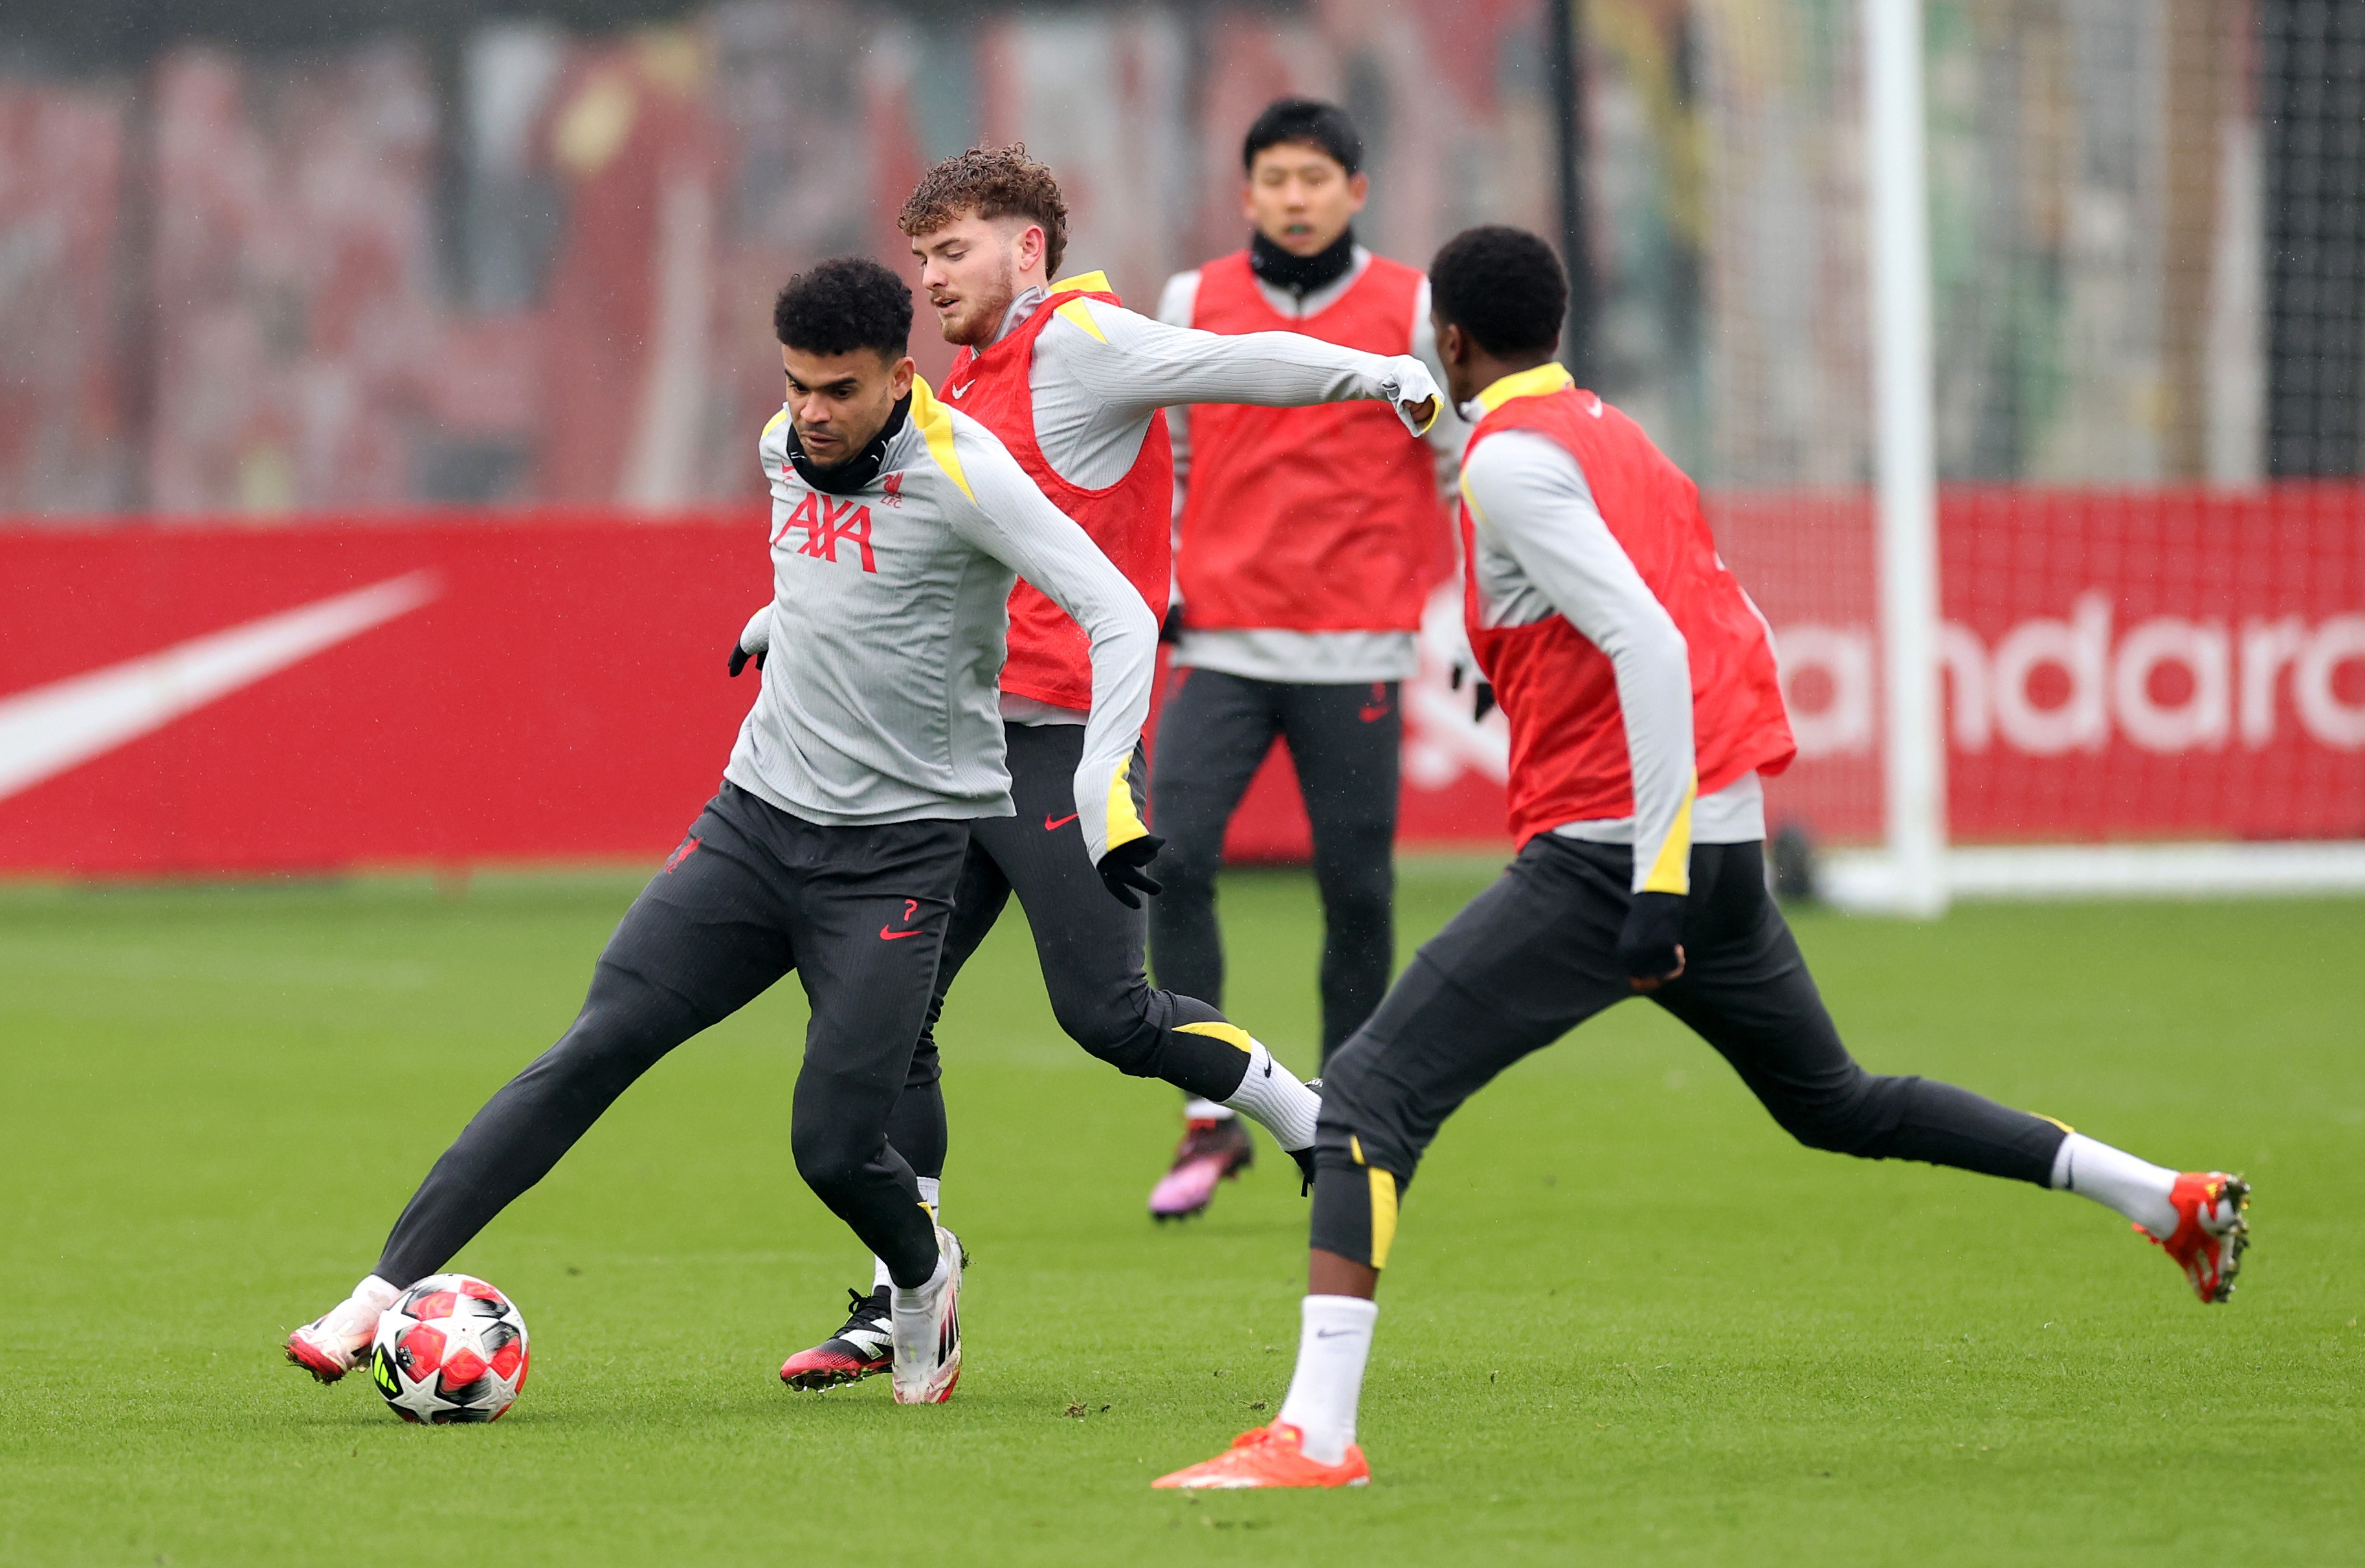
{"x": 335, "y": 1343}
{"x": 927, "y": 1329}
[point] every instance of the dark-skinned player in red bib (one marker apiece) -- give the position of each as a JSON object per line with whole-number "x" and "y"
{"x": 1640, "y": 686}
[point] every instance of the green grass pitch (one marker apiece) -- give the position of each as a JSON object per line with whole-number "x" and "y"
{"x": 1627, "y": 1321}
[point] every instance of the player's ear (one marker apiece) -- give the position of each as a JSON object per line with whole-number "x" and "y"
{"x": 1359, "y": 191}
{"x": 1031, "y": 247}
{"x": 899, "y": 379}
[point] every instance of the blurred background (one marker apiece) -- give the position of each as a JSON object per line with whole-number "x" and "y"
{"x": 258, "y": 256}
{"x": 328, "y": 265}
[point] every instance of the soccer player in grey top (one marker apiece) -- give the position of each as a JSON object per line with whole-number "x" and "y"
{"x": 1072, "y": 382}
{"x": 899, "y": 528}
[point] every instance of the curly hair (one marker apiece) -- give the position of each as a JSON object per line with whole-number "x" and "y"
{"x": 993, "y": 182}
{"x": 1502, "y": 286}
{"x": 844, "y": 304}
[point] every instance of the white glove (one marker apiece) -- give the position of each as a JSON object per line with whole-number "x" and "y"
{"x": 754, "y": 642}
{"x": 1414, "y": 392}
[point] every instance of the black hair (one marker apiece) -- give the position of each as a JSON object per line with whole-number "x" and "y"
{"x": 1309, "y": 120}
{"x": 844, "y": 304}
{"x": 1502, "y": 286}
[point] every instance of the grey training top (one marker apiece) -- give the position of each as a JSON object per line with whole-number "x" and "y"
{"x": 888, "y": 624}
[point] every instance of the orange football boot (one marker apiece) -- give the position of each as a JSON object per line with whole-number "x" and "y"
{"x": 2212, "y": 1227}
{"x": 1269, "y": 1456}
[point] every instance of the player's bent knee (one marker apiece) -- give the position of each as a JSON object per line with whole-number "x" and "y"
{"x": 1135, "y": 1053}
{"x": 1856, "y": 1117}
{"x": 827, "y": 1159}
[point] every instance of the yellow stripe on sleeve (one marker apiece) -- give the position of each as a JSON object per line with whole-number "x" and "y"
{"x": 1124, "y": 822}
{"x": 1383, "y": 1216}
{"x": 1672, "y": 872}
{"x": 1230, "y": 1034}
{"x": 935, "y": 427}
{"x": 1083, "y": 283}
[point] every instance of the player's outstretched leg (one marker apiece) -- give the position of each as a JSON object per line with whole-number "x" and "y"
{"x": 1213, "y": 735}
{"x": 1746, "y": 990}
{"x": 696, "y": 946}
{"x": 1091, "y": 953}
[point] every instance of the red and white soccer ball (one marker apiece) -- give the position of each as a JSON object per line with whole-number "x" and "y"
{"x": 450, "y": 1348}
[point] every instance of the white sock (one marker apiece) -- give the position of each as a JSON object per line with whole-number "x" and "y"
{"x": 1332, "y": 1346}
{"x": 930, "y": 1189}
{"x": 1272, "y": 1096}
{"x": 2136, "y": 1188}
{"x": 1198, "y": 1110}
{"x": 358, "y": 1313}
{"x": 910, "y": 1300}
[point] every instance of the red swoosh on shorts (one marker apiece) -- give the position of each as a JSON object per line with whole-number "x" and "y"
{"x": 1051, "y": 826}
{"x": 887, "y": 935}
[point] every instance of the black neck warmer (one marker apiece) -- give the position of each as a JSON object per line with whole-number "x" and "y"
{"x": 845, "y": 478}
{"x": 1301, "y": 275}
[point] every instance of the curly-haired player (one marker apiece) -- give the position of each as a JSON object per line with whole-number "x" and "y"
{"x": 1639, "y": 683}
{"x": 837, "y": 840}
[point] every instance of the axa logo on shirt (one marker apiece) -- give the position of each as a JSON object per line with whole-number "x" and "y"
{"x": 829, "y": 523}
{"x": 2052, "y": 686}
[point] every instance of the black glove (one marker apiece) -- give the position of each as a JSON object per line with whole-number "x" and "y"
{"x": 1121, "y": 869}
{"x": 755, "y": 642}
{"x": 1481, "y": 690}
{"x": 1651, "y": 946}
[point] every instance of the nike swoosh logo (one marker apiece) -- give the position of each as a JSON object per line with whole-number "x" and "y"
{"x": 1595, "y": 410}
{"x": 959, "y": 391}
{"x": 1331, "y": 1333}
{"x": 887, "y": 935}
{"x": 52, "y": 729}
{"x": 1051, "y": 826}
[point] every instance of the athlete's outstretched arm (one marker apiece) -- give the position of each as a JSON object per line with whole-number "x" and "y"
{"x": 1529, "y": 501}
{"x": 1015, "y": 525}
{"x": 1137, "y": 365}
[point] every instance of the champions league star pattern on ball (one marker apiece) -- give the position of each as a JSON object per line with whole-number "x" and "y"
{"x": 450, "y": 1348}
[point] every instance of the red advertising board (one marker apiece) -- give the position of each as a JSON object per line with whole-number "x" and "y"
{"x": 2119, "y": 666}
{"x": 451, "y": 689}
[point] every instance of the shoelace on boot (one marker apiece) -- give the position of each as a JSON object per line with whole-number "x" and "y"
{"x": 869, "y": 1312}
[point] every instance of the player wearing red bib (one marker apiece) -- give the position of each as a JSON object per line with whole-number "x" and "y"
{"x": 1308, "y": 543}
{"x": 1072, "y": 382}
{"x": 1640, "y": 688}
